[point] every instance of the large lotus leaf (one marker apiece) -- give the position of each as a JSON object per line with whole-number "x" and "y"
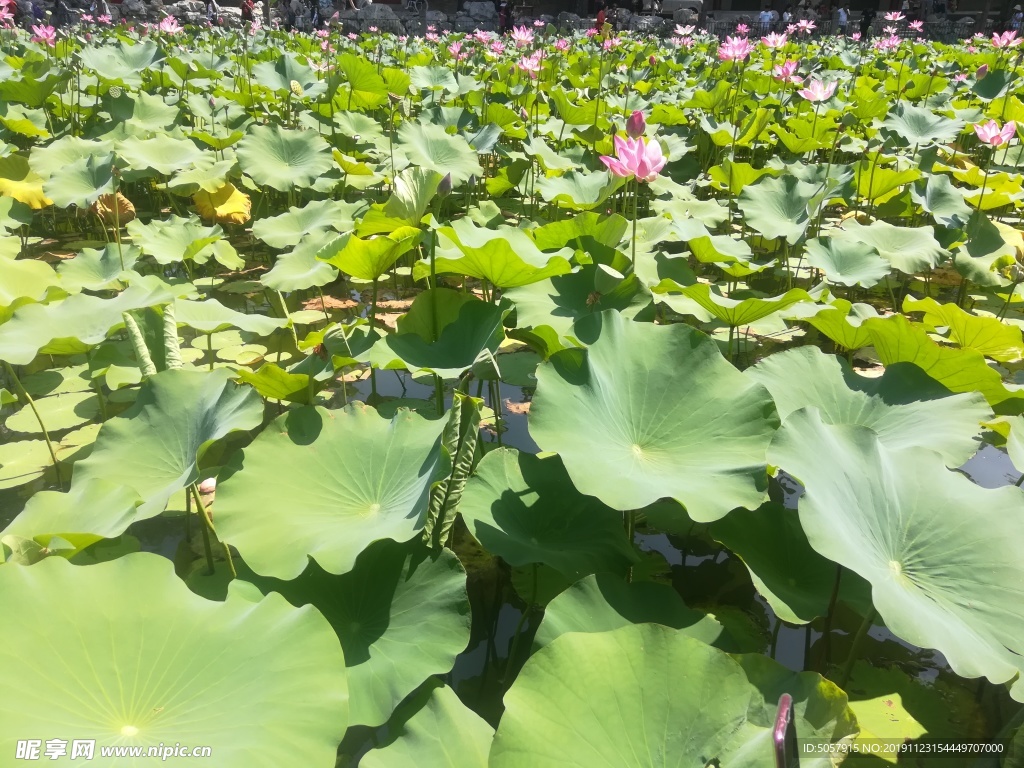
{"x": 432, "y": 311}
{"x": 175, "y": 239}
{"x": 779, "y": 207}
{"x": 24, "y": 281}
{"x": 123, "y": 63}
{"x": 434, "y": 79}
{"x": 474, "y": 336}
{"x": 347, "y": 478}
{"x": 908, "y": 249}
{"x": 22, "y": 462}
{"x": 735, "y": 312}
{"x": 58, "y": 412}
{"x": 942, "y": 200}
{"x": 155, "y": 446}
{"x": 95, "y": 506}
{"x": 578, "y": 191}
{"x": 650, "y": 412}
{"x": 283, "y": 158}
{"x": 647, "y": 696}
{"x": 14, "y": 214}
{"x": 987, "y": 335}
{"x": 22, "y": 183}
{"x": 402, "y": 615}
{"x": 300, "y": 269}
{"x": 290, "y": 228}
{"x": 211, "y": 316}
{"x": 434, "y": 730}
{"x": 846, "y": 262}
{"x": 97, "y": 269}
{"x": 560, "y": 301}
{"x": 82, "y": 182}
{"x": 368, "y": 258}
{"x": 162, "y": 154}
{"x": 843, "y": 322}
{"x": 414, "y": 189}
{"x": 36, "y": 328}
{"x": 429, "y": 146}
{"x": 941, "y": 553}
{"x": 133, "y": 658}
{"x": 507, "y": 257}
{"x": 279, "y": 75}
{"x": 920, "y": 127}
{"x": 897, "y": 340}
{"x": 363, "y": 86}
{"x": 903, "y": 407}
{"x": 602, "y": 602}
{"x": 526, "y": 510}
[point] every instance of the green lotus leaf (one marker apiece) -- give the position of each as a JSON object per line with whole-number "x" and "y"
{"x": 283, "y": 158}
{"x": 155, "y": 446}
{"x": 434, "y": 305}
{"x": 434, "y": 730}
{"x": 300, "y": 270}
{"x": 141, "y": 113}
{"x": 414, "y": 189}
{"x": 430, "y": 147}
{"x": 96, "y": 269}
{"x": 987, "y": 335}
{"x": 920, "y": 127}
{"x": 351, "y": 478}
{"x": 370, "y": 258}
{"x": 579, "y": 191}
{"x": 211, "y": 316}
{"x": 94, "y": 506}
{"x": 123, "y": 63}
{"x": 163, "y": 154}
{"x": 941, "y": 553}
{"x": 735, "y": 312}
{"x": 175, "y": 239}
{"x": 843, "y": 322}
{"x": 779, "y": 207}
{"x": 14, "y": 214}
{"x": 618, "y": 698}
{"x": 58, "y": 412}
{"x": 649, "y": 412}
{"x": 37, "y": 328}
{"x": 942, "y": 200}
{"x": 24, "y": 281}
{"x": 526, "y": 510}
{"x": 908, "y": 249}
{"x": 474, "y": 336}
{"x": 275, "y": 383}
{"x": 289, "y": 229}
{"x": 279, "y": 76}
{"x": 897, "y": 340}
{"x": 22, "y": 462}
{"x": 82, "y": 182}
{"x": 903, "y": 407}
{"x": 207, "y": 173}
{"x": 603, "y": 602}
{"x": 433, "y": 79}
{"x": 365, "y": 87}
{"x": 126, "y": 621}
{"x": 560, "y": 301}
{"x": 507, "y": 257}
{"x": 402, "y": 615}
{"x": 846, "y": 262}
{"x": 877, "y": 184}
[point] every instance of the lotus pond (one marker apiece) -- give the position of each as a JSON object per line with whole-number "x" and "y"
{"x": 555, "y": 400}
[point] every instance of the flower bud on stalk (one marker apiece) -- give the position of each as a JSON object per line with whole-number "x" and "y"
{"x": 444, "y": 187}
{"x": 653, "y": 61}
{"x": 982, "y": 71}
{"x": 636, "y": 126}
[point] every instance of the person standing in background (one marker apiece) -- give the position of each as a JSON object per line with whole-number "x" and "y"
{"x": 842, "y": 18}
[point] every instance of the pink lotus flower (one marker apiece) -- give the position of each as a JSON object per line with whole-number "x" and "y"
{"x": 481, "y": 36}
{"x": 1006, "y": 40}
{"x": 522, "y": 36}
{"x": 430, "y": 36}
{"x": 684, "y": 31}
{"x": 636, "y": 158}
{"x": 44, "y": 34}
{"x": 612, "y": 43}
{"x": 774, "y": 41}
{"x": 374, "y": 29}
{"x": 86, "y": 18}
{"x": 818, "y": 91}
{"x": 636, "y": 125}
{"x": 959, "y": 78}
{"x": 530, "y": 64}
{"x": 169, "y": 25}
{"x": 561, "y": 44}
{"x": 455, "y": 49}
{"x": 855, "y": 37}
{"x": 538, "y": 23}
{"x": 972, "y": 49}
{"x": 889, "y": 30}
{"x": 805, "y": 26}
{"x": 497, "y": 48}
{"x": 685, "y": 42}
{"x": 990, "y": 133}
{"x": 894, "y": 16}
{"x": 786, "y": 72}
{"x": 742, "y": 29}
{"x": 592, "y": 32}
{"x": 735, "y": 49}
{"x": 917, "y": 26}
{"x": 791, "y": 29}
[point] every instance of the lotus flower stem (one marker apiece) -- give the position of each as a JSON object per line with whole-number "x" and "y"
{"x": 826, "y": 635}
{"x": 519, "y": 626}
{"x": 858, "y": 641}
{"x": 209, "y": 529}
{"x": 24, "y": 396}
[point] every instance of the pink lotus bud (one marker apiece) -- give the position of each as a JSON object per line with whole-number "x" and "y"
{"x": 636, "y": 125}
{"x": 444, "y": 187}
{"x": 653, "y": 61}
{"x": 982, "y": 71}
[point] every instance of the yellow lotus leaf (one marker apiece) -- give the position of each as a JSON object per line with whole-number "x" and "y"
{"x": 104, "y": 208}
{"x": 227, "y": 205}
{"x": 19, "y": 181}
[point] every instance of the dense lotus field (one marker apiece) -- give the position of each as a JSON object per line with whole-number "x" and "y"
{"x": 540, "y": 401}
